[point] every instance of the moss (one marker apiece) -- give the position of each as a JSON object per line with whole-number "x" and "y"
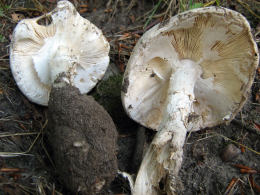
{"x": 110, "y": 87}
{"x": 108, "y": 94}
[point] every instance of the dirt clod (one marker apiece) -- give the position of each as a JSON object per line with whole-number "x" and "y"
{"x": 83, "y": 139}
{"x": 230, "y": 152}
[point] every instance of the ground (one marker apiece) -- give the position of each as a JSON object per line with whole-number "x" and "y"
{"x": 26, "y": 166}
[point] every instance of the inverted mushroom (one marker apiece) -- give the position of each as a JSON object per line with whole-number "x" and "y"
{"x": 59, "y": 62}
{"x": 70, "y": 44}
{"x": 193, "y": 72}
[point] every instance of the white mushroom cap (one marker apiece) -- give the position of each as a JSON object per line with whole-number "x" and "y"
{"x": 217, "y": 39}
{"x": 70, "y": 44}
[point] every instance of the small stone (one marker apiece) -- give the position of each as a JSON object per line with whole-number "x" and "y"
{"x": 230, "y": 152}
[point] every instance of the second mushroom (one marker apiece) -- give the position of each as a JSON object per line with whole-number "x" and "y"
{"x": 193, "y": 72}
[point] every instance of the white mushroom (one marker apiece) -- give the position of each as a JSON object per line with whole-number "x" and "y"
{"x": 193, "y": 72}
{"x": 70, "y": 44}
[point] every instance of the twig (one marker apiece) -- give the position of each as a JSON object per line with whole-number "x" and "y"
{"x": 48, "y": 156}
{"x": 242, "y": 166}
{"x": 250, "y": 149}
{"x": 5, "y": 55}
{"x": 18, "y": 134}
{"x": 152, "y": 24}
{"x": 131, "y": 5}
{"x": 250, "y": 171}
{"x": 114, "y": 11}
{"x": 199, "y": 139}
{"x": 209, "y": 3}
{"x": 245, "y": 5}
{"x": 24, "y": 9}
{"x": 129, "y": 178}
{"x": 39, "y": 6}
{"x": 253, "y": 130}
{"x": 231, "y": 186}
{"x": 26, "y": 189}
{"x": 5, "y": 169}
{"x": 153, "y": 12}
{"x": 252, "y": 191}
{"x": 13, "y": 154}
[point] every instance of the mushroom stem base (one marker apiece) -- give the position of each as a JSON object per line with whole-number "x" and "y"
{"x": 162, "y": 162}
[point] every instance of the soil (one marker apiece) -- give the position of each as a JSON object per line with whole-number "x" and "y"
{"x": 23, "y": 124}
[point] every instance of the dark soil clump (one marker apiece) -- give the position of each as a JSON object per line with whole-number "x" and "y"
{"x": 83, "y": 139}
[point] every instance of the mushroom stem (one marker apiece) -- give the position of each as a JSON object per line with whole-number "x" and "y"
{"x": 163, "y": 159}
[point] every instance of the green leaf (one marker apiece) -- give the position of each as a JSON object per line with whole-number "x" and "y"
{"x": 182, "y": 6}
{"x": 153, "y": 12}
{"x": 1, "y": 12}
{"x": 196, "y": 5}
{"x": 190, "y": 3}
{"x": 6, "y": 7}
{"x": 2, "y": 38}
{"x": 217, "y": 2}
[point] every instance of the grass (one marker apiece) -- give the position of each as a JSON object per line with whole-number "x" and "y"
{"x": 152, "y": 14}
{"x": 2, "y": 38}
{"x": 169, "y": 8}
{"x": 173, "y": 7}
{"x": 4, "y": 9}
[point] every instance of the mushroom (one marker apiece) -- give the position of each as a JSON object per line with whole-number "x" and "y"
{"x": 193, "y": 72}
{"x": 70, "y": 44}
{"x": 59, "y": 62}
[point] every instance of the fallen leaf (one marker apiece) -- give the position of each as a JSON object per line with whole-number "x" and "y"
{"x": 257, "y": 97}
{"x": 125, "y": 36}
{"x": 132, "y": 18}
{"x": 248, "y": 171}
{"x": 137, "y": 35}
{"x": 231, "y": 185}
{"x": 81, "y": 11}
{"x": 22, "y": 126}
{"x": 240, "y": 166}
{"x": 83, "y": 6}
{"x": 242, "y": 148}
{"x": 15, "y": 176}
{"x": 257, "y": 126}
{"x": 108, "y": 10}
{"x": 17, "y": 17}
{"x": 121, "y": 67}
{"x": 6, "y": 169}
